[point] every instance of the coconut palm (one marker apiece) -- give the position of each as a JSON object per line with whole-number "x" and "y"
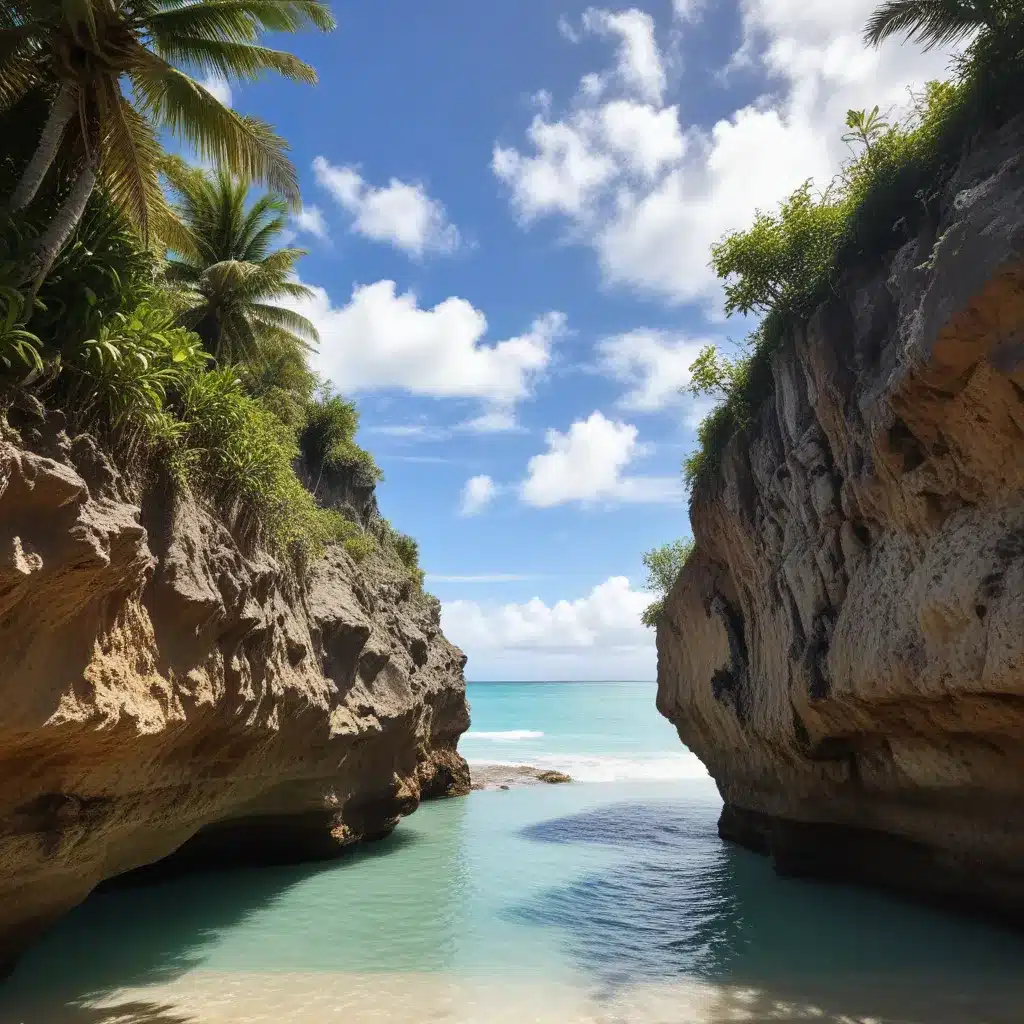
{"x": 939, "y": 22}
{"x": 115, "y": 72}
{"x": 230, "y": 272}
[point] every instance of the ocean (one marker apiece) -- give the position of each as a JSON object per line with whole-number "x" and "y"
{"x": 608, "y": 901}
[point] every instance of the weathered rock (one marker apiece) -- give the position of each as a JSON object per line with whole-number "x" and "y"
{"x": 845, "y": 649}
{"x": 503, "y": 776}
{"x": 161, "y": 691}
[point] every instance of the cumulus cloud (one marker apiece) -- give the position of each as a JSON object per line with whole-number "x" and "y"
{"x": 639, "y": 66}
{"x": 650, "y": 193}
{"x": 399, "y": 213}
{"x": 311, "y": 220}
{"x": 478, "y": 493}
{"x": 219, "y": 87}
{"x": 588, "y": 463}
{"x": 383, "y": 339}
{"x": 597, "y": 636}
{"x": 654, "y": 365}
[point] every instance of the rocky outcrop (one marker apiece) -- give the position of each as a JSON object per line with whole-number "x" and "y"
{"x": 845, "y": 648}
{"x": 161, "y": 690}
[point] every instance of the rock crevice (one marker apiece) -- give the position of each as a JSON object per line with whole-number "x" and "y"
{"x": 845, "y": 648}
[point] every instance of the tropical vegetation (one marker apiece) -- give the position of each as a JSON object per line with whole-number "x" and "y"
{"x": 790, "y": 261}
{"x": 663, "y": 565}
{"x": 152, "y": 302}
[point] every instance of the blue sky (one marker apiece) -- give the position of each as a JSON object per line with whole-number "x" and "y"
{"x": 508, "y": 208}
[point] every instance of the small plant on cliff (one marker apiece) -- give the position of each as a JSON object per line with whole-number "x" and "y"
{"x": 663, "y": 564}
{"x": 327, "y": 438}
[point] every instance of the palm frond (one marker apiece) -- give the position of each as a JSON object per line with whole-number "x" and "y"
{"x": 223, "y": 19}
{"x": 286, "y": 319}
{"x": 929, "y": 22}
{"x": 241, "y": 60}
{"x": 245, "y": 146}
{"x": 131, "y": 158}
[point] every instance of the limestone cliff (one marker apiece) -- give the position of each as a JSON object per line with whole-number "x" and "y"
{"x": 845, "y": 649}
{"x": 161, "y": 690}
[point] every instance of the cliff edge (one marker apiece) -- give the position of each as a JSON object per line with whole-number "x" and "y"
{"x": 161, "y": 690}
{"x": 845, "y": 648}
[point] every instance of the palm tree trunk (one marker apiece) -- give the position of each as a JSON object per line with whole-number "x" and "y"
{"x": 64, "y": 221}
{"x": 49, "y": 142}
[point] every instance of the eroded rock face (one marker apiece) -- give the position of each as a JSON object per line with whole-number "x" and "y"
{"x": 845, "y": 650}
{"x": 160, "y": 691}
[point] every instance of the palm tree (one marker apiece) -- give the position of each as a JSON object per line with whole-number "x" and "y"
{"x": 85, "y": 52}
{"x": 231, "y": 275}
{"x": 938, "y": 22}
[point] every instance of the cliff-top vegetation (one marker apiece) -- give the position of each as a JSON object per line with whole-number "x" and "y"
{"x": 791, "y": 261}
{"x": 151, "y": 301}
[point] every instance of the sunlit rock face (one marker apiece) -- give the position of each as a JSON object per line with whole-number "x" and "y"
{"x": 845, "y": 650}
{"x": 162, "y": 689}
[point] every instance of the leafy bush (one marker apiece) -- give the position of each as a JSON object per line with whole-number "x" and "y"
{"x": 326, "y": 438}
{"x": 789, "y": 262}
{"x": 361, "y": 546}
{"x": 145, "y": 383}
{"x": 19, "y": 348}
{"x": 664, "y": 564}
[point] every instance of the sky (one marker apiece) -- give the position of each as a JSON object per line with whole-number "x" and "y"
{"x": 508, "y": 208}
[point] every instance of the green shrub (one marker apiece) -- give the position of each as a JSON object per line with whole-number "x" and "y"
{"x": 663, "y": 565}
{"x": 361, "y": 546}
{"x": 326, "y": 438}
{"x": 145, "y": 383}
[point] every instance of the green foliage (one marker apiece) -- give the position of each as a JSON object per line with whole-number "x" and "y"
{"x": 146, "y": 383}
{"x": 242, "y": 456}
{"x": 399, "y": 548}
{"x": 866, "y": 127}
{"x": 232, "y": 272}
{"x": 112, "y": 75}
{"x": 940, "y": 22}
{"x": 360, "y": 546}
{"x": 790, "y": 262}
{"x": 326, "y": 439}
{"x": 779, "y": 261}
{"x": 19, "y": 348}
{"x": 663, "y": 565}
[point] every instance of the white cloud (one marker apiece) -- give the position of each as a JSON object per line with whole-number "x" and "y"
{"x": 598, "y": 636}
{"x": 688, "y": 10}
{"x": 639, "y": 66}
{"x": 478, "y": 493}
{"x": 655, "y": 365}
{"x": 562, "y": 175}
{"x": 587, "y": 464}
{"x": 650, "y": 193}
{"x": 219, "y": 87}
{"x": 400, "y": 214}
{"x": 383, "y": 339}
{"x": 498, "y": 419}
{"x": 311, "y": 220}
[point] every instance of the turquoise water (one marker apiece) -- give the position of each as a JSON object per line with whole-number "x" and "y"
{"x": 604, "y": 901}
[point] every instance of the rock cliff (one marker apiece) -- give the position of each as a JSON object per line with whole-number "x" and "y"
{"x": 845, "y": 648}
{"x": 161, "y": 690}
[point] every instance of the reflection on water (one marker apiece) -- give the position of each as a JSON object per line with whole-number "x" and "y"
{"x": 611, "y": 904}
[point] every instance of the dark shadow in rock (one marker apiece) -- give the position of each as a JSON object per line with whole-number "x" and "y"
{"x": 675, "y": 902}
{"x": 146, "y": 935}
